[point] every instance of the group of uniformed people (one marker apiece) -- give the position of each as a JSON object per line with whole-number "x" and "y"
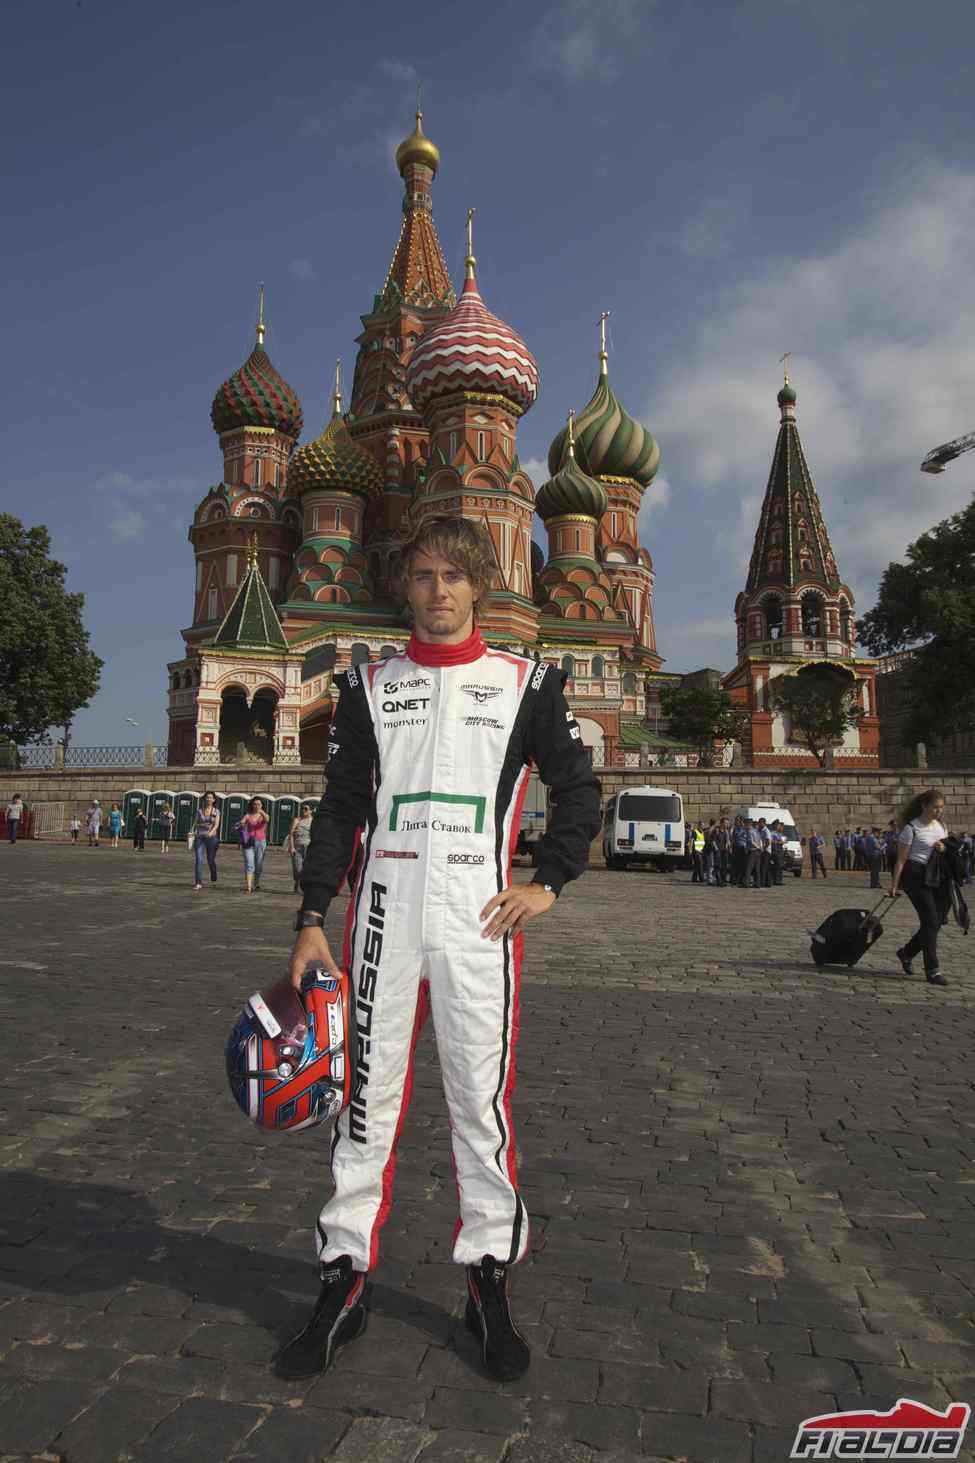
{"x": 749, "y": 852}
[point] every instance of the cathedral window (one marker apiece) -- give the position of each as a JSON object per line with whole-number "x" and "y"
{"x": 199, "y": 575}
{"x": 481, "y": 446}
{"x": 578, "y": 539}
{"x": 568, "y": 666}
{"x": 612, "y": 525}
{"x": 314, "y": 520}
{"x": 257, "y": 472}
{"x": 231, "y": 570}
{"x": 277, "y": 474}
{"x": 360, "y": 654}
{"x": 598, "y": 669}
{"x": 338, "y": 518}
{"x": 629, "y": 683}
{"x": 212, "y": 605}
{"x": 453, "y": 445}
{"x": 273, "y": 572}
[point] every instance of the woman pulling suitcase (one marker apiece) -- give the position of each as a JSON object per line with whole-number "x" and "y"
{"x": 922, "y": 834}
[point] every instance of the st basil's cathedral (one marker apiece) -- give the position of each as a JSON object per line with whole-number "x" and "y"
{"x": 293, "y": 546}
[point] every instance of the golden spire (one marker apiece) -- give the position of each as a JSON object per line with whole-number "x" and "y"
{"x": 603, "y": 357}
{"x": 261, "y": 329}
{"x": 570, "y": 441}
{"x": 470, "y": 261}
{"x": 785, "y": 365}
{"x": 337, "y": 392}
{"x": 252, "y": 551}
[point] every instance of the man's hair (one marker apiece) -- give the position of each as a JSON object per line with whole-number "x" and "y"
{"x": 464, "y": 543}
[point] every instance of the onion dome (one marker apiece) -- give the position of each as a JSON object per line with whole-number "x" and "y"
{"x": 417, "y": 149}
{"x": 571, "y": 490}
{"x": 333, "y": 462}
{"x": 472, "y": 350}
{"x": 787, "y": 396}
{"x": 256, "y": 395}
{"x": 609, "y": 443}
{"x": 537, "y": 559}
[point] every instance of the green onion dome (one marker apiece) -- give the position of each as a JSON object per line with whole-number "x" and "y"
{"x": 257, "y": 396}
{"x": 609, "y": 443}
{"x": 570, "y": 490}
{"x": 787, "y": 396}
{"x": 334, "y": 462}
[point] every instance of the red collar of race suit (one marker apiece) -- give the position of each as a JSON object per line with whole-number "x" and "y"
{"x": 425, "y": 652}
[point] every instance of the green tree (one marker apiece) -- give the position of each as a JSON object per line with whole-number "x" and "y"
{"x": 47, "y": 671}
{"x": 821, "y": 702}
{"x": 702, "y": 717}
{"x": 927, "y": 606}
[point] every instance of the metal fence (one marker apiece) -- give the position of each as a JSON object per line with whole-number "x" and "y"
{"x": 44, "y": 756}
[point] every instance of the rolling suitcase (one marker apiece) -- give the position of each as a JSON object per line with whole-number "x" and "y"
{"x": 846, "y": 936}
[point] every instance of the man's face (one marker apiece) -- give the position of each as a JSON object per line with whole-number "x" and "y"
{"x": 441, "y": 597}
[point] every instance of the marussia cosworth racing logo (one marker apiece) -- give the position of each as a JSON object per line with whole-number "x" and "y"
{"x": 909, "y": 1430}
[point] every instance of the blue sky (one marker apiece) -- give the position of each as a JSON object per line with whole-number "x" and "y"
{"x": 730, "y": 180}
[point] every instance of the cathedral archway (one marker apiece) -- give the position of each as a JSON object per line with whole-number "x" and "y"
{"x": 247, "y": 730}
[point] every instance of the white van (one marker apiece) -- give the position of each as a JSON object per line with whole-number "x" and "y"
{"x": 776, "y": 813}
{"x": 644, "y": 825}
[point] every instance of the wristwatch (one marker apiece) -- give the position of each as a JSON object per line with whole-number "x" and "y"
{"x": 304, "y": 920}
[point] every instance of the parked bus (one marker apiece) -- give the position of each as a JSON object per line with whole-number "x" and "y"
{"x": 644, "y": 825}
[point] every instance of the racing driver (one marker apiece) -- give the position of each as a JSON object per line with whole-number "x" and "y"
{"x": 428, "y": 762}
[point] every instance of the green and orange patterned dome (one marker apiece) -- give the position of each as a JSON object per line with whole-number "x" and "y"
{"x": 333, "y": 462}
{"x": 257, "y": 395}
{"x": 570, "y": 490}
{"x": 608, "y": 441}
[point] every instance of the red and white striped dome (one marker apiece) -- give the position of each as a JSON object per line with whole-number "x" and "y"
{"x": 472, "y": 350}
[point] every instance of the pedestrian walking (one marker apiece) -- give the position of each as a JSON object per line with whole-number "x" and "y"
{"x": 922, "y": 835}
{"x": 710, "y": 853}
{"x": 93, "y": 822}
{"x": 74, "y": 828}
{"x": 15, "y": 811}
{"x": 299, "y": 837}
{"x": 765, "y": 859}
{"x": 890, "y": 846}
{"x": 167, "y": 825}
{"x": 139, "y": 825}
{"x": 206, "y": 840}
{"x": 439, "y": 926}
{"x": 253, "y": 843}
{"x": 115, "y": 824}
{"x": 837, "y": 850}
{"x": 816, "y": 845}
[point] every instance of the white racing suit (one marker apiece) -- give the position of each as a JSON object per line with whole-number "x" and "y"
{"x": 428, "y": 764}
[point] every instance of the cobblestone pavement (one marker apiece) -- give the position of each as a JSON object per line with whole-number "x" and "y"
{"x": 751, "y": 1185}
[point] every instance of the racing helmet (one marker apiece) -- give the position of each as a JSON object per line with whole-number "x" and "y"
{"x": 291, "y": 1055}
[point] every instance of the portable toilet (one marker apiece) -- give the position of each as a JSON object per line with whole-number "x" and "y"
{"x": 185, "y": 808}
{"x": 285, "y": 811}
{"x": 232, "y": 808}
{"x": 157, "y": 802}
{"x": 132, "y": 801}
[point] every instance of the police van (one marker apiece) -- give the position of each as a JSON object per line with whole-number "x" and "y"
{"x": 776, "y": 813}
{"x": 644, "y": 825}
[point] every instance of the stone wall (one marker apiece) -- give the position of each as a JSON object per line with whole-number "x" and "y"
{"x": 824, "y": 799}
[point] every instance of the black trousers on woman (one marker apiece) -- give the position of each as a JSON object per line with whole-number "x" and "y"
{"x": 931, "y": 906}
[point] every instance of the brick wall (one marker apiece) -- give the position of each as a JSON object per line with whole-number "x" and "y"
{"x": 824, "y": 799}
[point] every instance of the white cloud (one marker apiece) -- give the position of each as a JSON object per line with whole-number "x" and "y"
{"x": 303, "y": 269}
{"x": 710, "y": 228}
{"x": 587, "y": 44}
{"x": 401, "y": 71}
{"x": 655, "y": 497}
{"x": 690, "y": 645}
{"x": 126, "y": 524}
{"x": 537, "y": 470}
{"x": 884, "y": 367}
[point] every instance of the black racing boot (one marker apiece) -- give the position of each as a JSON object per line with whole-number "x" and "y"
{"x": 504, "y": 1350}
{"x": 339, "y": 1316}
